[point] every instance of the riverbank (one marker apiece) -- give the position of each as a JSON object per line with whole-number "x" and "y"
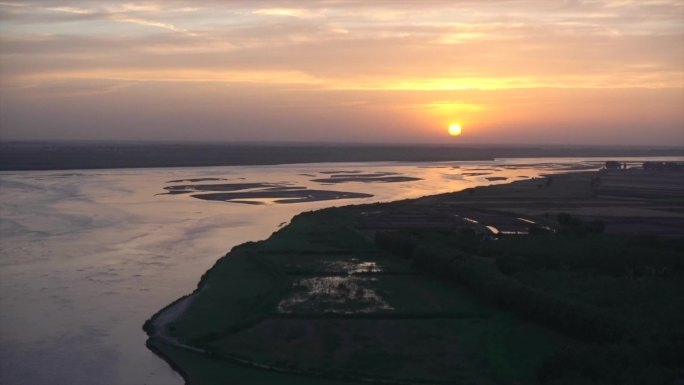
{"x": 355, "y": 294}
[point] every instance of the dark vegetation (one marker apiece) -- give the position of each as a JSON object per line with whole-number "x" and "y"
{"x": 411, "y": 292}
{"x": 623, "y": 297}
{"x": 670, "y": 166}
{"x": 574, "y": 225}
{"x": 391, "y": 323}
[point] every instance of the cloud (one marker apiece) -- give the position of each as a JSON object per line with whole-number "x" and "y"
{"x": 291, "y": 12}
{"x": 74, "y": 10}
{"x": 39, "y": 12}
{"x": 360, "y": 55}
{"x": 151, "y": 23}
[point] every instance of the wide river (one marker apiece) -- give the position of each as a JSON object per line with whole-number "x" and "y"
{"x": 87, "y": 256}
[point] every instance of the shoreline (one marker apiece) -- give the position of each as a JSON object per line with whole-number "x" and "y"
{"x": 154, "y": 328}
{"x": 24, "y": 156}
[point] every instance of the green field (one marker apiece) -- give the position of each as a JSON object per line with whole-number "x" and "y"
{"x": 331, "y": 298}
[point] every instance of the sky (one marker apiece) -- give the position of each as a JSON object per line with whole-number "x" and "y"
{"x": 606, "y": 72}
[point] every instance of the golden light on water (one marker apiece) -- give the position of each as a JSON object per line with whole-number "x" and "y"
{"x": 455, "y": 129}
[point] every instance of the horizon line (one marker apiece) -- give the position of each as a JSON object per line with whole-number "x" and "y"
{"x": 323, "y": 143}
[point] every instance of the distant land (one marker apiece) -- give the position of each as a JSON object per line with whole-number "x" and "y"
{"x": 63, "y": 155}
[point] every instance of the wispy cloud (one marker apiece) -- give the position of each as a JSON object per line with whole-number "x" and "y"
{"x": 150, "y": 23}
{"x": 74, "y": 10}
{"x": 176, "y": 76}
{"x": 138, "y": 14}
{"x": 291, "y": 12}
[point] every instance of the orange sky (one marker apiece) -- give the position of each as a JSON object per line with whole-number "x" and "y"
{"x": 509, "y": 71}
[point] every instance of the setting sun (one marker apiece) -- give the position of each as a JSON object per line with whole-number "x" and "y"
{"x": 454, "y": 130}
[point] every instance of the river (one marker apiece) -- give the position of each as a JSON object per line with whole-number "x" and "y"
{"x": 87, "y": 256}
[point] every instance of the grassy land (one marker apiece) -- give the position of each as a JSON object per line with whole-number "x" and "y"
{"x": 333, "y": 298}
{"x": 199, "y": 369}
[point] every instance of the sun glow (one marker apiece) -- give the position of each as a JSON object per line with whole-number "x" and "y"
{"x": 455, "y": 129}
